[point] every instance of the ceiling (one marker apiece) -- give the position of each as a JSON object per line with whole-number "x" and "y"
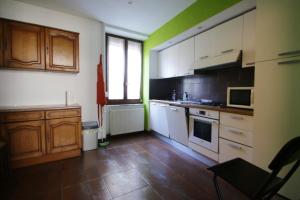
{"x": 139, "y": 16}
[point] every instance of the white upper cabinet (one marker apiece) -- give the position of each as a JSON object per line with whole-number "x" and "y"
{"x": 176, "y": 60}
{"x": 186, "y": 57}
{"x": 249, "y": 39}
{"x": 168, "y": 62}
{"x": 227, "y": 37}
{"x": 203, "y": 49}
{"x": 278, "y": 29}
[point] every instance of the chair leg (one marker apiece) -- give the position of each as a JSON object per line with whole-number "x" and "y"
{"x": 220, "y": 196}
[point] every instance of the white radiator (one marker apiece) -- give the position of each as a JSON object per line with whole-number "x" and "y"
{"x": 126, "y": 119}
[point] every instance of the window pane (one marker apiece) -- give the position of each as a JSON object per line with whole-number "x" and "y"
{"x": 116, "y": 67}
{"x": 134, "y": 67}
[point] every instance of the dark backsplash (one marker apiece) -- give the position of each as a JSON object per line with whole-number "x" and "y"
{"x": 210, "y": 84}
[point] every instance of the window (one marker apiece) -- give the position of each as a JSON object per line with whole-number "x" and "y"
{"x": 124, "y": 69}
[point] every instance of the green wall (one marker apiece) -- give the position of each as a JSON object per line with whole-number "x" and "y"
{"x": 191, "y": 16}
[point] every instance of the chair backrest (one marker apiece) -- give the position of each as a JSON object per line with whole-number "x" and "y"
{"x": 289, "y": 153}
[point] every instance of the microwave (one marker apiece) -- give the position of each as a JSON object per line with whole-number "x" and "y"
{"x": 240, "y": 97}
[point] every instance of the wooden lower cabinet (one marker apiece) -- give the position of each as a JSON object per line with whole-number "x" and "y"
{"x": 26, "y": 139}
{"x": 63, "y": 134}
{"x": 34, "y": 138}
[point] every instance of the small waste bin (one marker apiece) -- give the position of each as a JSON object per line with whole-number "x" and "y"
{"x": 89, "y": 135}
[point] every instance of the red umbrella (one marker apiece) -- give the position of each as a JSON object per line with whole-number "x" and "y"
{"x": 101, "y": 100}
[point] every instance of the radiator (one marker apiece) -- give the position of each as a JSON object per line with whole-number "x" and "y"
{"x": 126, "y": 119}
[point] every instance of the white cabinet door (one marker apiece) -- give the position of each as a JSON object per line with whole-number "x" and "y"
{"x": 158, "y": 118}
{"x": 177, "y": 121}
{"x": 203, "y": 49}
{"x": 186, "y": 57}
{"x": 249, "y": 39}
{"x": 228, "y": 37}
{"x": 168, "y": 62}
{"x": 278, "y": 29}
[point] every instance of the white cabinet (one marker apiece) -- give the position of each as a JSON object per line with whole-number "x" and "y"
{"x": 203, "y": 49}
{"x": 249, "y": 39}
{"x": 168, "y": 62}
{"x": 236, "y": 137}
{"x": 177, "y": 121}
{"x": 158, "y": 118}
{"x": 186, "y": 57}
{"x": 228, "y": 37}
{"x": 278, "y": 29}
{"x": 230, "y": 150}
{"x": 177, "y": 60}
{"x": 219, "y": 45}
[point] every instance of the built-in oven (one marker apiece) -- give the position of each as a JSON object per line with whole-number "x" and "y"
{"x": 204, "y": 128}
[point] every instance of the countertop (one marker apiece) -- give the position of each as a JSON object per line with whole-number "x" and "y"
{"x": 36, "y": 108}
{"x": 217, "y": 108}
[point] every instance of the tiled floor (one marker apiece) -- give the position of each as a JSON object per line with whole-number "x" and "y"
{"x": 139, "y": 166}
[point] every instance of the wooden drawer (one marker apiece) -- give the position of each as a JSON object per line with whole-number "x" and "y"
{"x": 230, "y": 150}
{"x": 55, "y": 114}
{"x": 22, "y": 116}
{"x": 236, "y": 135}
{"x": 237, "y": 121}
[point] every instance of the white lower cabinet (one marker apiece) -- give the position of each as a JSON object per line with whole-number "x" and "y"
{"x": 230, "y": 150}
{"x": 177, "y": 121}
{"x": 236, "y": 137}
{"x": 158, "y": 118}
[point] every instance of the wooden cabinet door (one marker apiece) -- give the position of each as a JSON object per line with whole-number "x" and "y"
{"x": 1, "y": 43}
{"x": 63, "y": 134}
{"x": 26, "y": 139}
{"x": 62, "y": 51}
{"x": 24, "y": 46}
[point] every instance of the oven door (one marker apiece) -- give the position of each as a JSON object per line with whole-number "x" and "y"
{"x": 204, "y": 132}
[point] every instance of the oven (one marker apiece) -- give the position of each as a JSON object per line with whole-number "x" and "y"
{"x": 204, "y": 128}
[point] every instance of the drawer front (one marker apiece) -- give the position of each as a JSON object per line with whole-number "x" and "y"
{"x": 55, "y": 114}
{"x": 22, "y": 116}
{"x": 237, "y": 121}
{"x": 230, "y": 150}
{"x": 236, "y": 135}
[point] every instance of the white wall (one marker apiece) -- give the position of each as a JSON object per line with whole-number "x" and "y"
{"x": 40, "y": 88}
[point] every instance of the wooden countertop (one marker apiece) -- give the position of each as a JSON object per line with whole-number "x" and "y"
{"x": 36, "y": 108}
{"x": 216, "y": 108}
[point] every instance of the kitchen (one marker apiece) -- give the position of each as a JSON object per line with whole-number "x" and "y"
{"x": 204, "y": 83}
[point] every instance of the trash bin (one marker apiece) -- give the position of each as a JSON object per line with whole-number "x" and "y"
{"x": 89, "y": 135}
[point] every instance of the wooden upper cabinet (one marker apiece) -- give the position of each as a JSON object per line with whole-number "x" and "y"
{"x": 27, "y": 139}
{"x": 63, "y": 134}
{"x": 1, "y": 43}
{"x": 62, "y": 50}
{"x": 24, "y": 45}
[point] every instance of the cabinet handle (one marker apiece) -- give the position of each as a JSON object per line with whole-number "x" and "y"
{"x": 287, "y": 53}
{"x": 203, "y": 57}
{"x": 227, "y": 51}
{"x": 250, "y": 63}
{"x": 289, "y": 62}
{"x": 235, "y": 146}
{"x": 162, "y": 105}
{"x": 236, "y": 132}
{"x": 47, "y": 49}
{"x": 237, "y": 118}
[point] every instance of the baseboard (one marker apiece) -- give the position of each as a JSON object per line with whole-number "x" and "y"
{"x": 45, "y": 159}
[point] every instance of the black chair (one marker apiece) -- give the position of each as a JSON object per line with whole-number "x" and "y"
{"x": 255, "y": 182}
